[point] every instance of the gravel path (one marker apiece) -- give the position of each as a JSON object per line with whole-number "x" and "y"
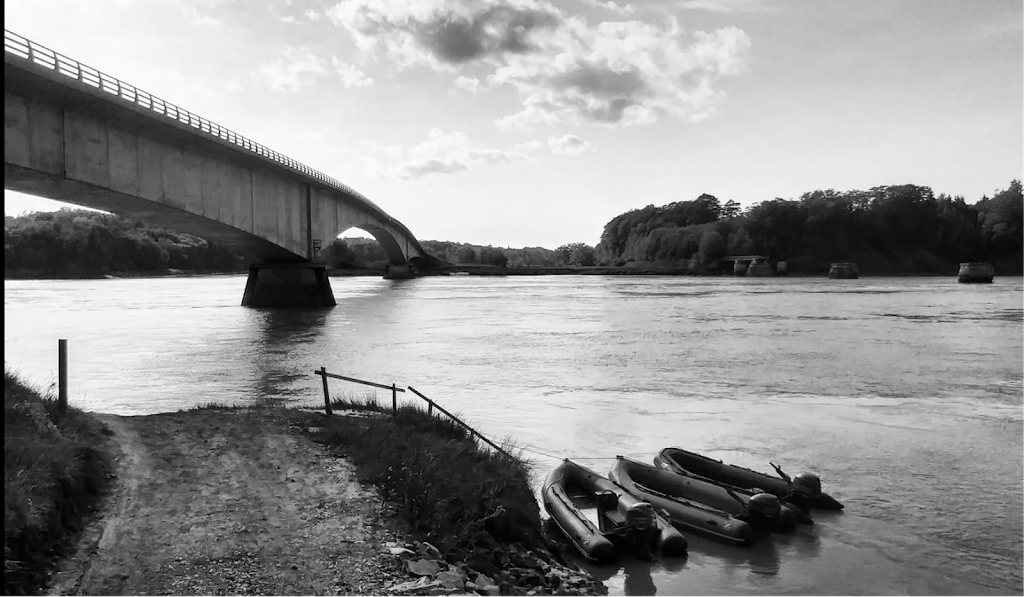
{"x": 217, "y": 502}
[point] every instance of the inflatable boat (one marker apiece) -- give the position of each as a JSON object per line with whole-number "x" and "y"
{"x": 623, "y": 520}
{"x": 693, "y": 505}
{"x": 802, "y": 490}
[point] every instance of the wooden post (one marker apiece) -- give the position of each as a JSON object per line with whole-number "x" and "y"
{"x": 394, "y": 400}
{"x": 327, "y": 394}
{"x": 430, "y": 409}
{"x": 62, "y": 374}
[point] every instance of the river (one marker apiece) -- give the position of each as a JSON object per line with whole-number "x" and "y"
{"x": 904, "y": 394}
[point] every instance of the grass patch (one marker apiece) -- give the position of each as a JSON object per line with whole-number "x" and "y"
{"x": 54, "y": 473}
{"x": 468, "y": 501}
{"x": 210, "y": 406}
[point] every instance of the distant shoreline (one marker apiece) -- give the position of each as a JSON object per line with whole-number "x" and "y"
{"x": 477, "y": 270}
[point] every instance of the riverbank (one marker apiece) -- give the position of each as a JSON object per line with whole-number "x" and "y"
{"x": 279, "y": 500}
{"x": 55, "y": 471}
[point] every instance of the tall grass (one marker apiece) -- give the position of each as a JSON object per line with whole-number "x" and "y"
{"x": 54, "y": 471}
{"x": 446, "y": 488}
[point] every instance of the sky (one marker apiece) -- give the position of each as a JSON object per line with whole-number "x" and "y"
{"x": 533, "y": 123}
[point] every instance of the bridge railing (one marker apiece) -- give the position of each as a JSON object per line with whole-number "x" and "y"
{"x": 17, "y": 45}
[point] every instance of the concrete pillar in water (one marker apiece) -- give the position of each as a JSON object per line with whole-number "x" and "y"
{"x": 401, "y": 271}
{"x": 302, "y": 285}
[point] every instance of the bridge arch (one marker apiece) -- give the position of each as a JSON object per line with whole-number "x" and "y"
{"x": 77, "y": 135}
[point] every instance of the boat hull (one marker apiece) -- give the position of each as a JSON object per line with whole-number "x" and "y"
{"x": 975, "y": 272}
{"x": 692, "y": 464}
{"x": 843, "y": 270}
{"x": 665, "y": 490}
{"x": 596, "y": 543}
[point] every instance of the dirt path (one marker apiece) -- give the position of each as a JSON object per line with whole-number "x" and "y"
{"x": 230, "y": 502}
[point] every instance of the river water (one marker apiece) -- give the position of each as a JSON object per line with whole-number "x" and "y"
{"x": 904, "y": 394}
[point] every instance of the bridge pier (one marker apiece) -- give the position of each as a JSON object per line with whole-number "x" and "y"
{"x": 400, "y": 271}
{"x": 303, "y": 285}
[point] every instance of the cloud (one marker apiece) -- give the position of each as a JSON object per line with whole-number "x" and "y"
{"x": 727, "y": 6}
{"x": 443, "y": 33}
{"x": 351, "y": 76}
{"x": 294, "y": 71}
{"x": 470, "y": 84}
{"x": 445, "y": 153}
{"x": 312, "y": 15}
{"x": 564, "y": 69}
{"x": 568, "y": 145}
{"x": 612, "y": 6}
{"x": 194, "y": 18}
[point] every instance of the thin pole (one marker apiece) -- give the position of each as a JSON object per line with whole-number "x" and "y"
{"x": 327, "y": 393}
{"x": 394, "y": 400}
{"x": 62, "y": 374}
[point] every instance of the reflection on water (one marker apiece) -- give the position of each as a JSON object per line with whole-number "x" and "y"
{"x": 279, "y": 332}
{"x": 904, "y": 394}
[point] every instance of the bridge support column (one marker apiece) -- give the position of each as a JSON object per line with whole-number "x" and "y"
{"x": 303, "y": 285}
{"x": 401, "y": 271}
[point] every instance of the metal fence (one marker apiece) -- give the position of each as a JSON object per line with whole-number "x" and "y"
{"x": 431, "y": 405}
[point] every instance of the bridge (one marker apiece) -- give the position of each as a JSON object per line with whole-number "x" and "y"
{"x": 77, "y": 135}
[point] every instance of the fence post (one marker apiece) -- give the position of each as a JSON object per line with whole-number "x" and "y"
{"x": 394, "y": 400}
{"x": 62, "y": 374}
{"x": 327, "y": 394}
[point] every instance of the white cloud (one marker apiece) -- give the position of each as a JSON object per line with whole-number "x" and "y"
{"x": 529, "y": 146}
{"x": 294, "y": 71}
{"x": 569, "y": 145}
{"x": 351, "y": 76}
{"x": 194, "y": 18}
{"x": 612, "y": 6}
{"x": 470, "y": 84}
{"x": 313, "y": 15}
{"x": 727, "y": 6}
{"x": 290, "y": 20}
{"x": 445, "y": 153}
{"x": 564, "y": 69}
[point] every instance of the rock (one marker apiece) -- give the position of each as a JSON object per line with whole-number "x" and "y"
{"x": 397, "y": 551}
{"x": 450, "y": 580}
{"x": 414, "y": 587}
{"x": 423, "y": 567}
{"x": 428, "y": 550}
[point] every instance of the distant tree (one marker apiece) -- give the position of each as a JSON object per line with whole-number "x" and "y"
{"x": 731, "y": 209}
{"x": 492, "y": 256}
{"x": 465, "y": 254}
{"x": 338, "y": 254}
{"x": 583, "y": 255}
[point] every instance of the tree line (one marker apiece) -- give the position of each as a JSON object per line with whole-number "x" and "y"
{"x": 77, "y": 243}
{"x": 885, "y": 229}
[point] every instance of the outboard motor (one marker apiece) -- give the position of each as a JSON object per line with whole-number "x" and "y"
{"x": 764, "y": 511}
{"x": 807, "y": 485}
{"x": 640, "y": 517}
{"x": 640, "y": 530}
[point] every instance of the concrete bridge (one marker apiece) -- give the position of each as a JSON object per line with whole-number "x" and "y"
{"x": 74, "y": 134}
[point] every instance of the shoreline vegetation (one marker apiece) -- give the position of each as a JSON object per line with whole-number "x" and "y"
{"x": 56, "y": 470}
{"x": 894, "y": 230}
{"x": 466, "y": 517}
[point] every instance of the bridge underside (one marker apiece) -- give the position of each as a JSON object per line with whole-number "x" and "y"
{"x": 154, "y": 214}
{"x": 77, "y": 143}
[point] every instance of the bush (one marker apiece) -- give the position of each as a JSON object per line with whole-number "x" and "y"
{"x": 54, "y": 473}
{"x": 446, "y": 489}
